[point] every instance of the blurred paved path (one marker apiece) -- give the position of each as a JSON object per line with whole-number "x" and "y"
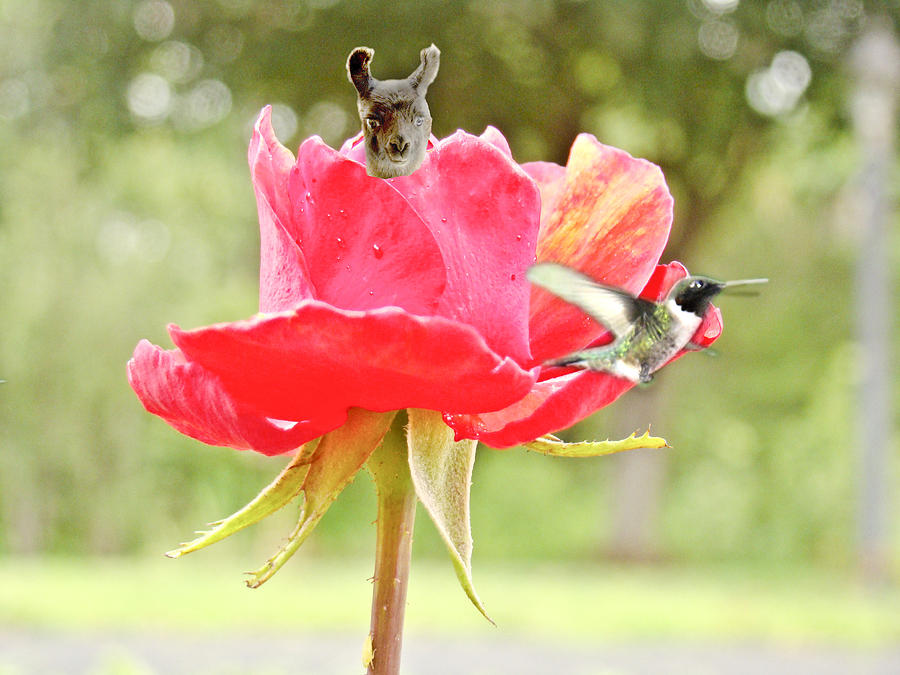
{"x": 36, "y": 653}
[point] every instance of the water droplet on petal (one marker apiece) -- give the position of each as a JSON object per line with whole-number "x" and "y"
{"x": 340, "y": 243}
{"x": 518, "y": 237}
{"x": 443, "y": 220}
{"x": 371, "y": 292}
{"x": 512, "y": 277}
{"x": 376, "y": 249}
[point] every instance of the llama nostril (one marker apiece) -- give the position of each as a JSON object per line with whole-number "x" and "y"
{"x": 399, "y": 146}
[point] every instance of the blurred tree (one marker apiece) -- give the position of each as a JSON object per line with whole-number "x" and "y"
{"x": 122, "y": 206}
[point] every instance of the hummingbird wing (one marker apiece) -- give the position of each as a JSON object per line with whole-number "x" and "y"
{"x": 614, "y": 308}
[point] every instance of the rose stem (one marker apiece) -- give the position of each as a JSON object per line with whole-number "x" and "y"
{"x": 389, "y": 467}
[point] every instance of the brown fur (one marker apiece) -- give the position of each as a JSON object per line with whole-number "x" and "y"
{"x": 396, "y": 122}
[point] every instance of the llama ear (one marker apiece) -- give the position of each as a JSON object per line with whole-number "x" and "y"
{"x": 428, "y": 69}
{"x": 358, "y": 69}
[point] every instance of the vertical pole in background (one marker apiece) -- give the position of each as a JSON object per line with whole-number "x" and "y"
{"x": 639, "y": 478}
{"x": 875, "y": 64}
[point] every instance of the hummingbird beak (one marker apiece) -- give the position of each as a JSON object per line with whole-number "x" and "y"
{"x": 728, "y": 285}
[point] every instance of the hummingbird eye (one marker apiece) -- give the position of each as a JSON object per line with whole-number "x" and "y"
{"x": 697, "y": 284}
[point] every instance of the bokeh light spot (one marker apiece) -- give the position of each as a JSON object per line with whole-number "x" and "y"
{"x": 721, "y": 6}
{"x": 149, "y": 98}
{"x": 718, "y": 39}
{"x": 284, "y": 121}
{"x": 223, "y": 43}
{"x": 328, "y": 120}
{"x": 792, "y": 72}
{"x": 177, "y": 61}
{"x": 207, "y": 103}
{"x": 154, "y": 20}
{"x": 777, "y": 89}
{"x": 124, "y": 239}
{"x": 596, "y": 72}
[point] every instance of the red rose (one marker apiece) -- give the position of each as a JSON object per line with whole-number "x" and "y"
{"x": 411, "y": 293}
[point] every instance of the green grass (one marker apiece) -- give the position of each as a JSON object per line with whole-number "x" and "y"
{"x": 202, "y": 594}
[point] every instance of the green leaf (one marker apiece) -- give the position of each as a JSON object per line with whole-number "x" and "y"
{"x": 341, "y": 453}
{"x": 277, "y": 494}
{"x": 551, "y": 445}
{"x": 441, "y": 470}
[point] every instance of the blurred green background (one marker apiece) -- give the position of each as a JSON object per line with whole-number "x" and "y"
{"x": 125, "y": 204}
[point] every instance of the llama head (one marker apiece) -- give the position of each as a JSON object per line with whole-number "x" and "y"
{"x": 396, "y": 122}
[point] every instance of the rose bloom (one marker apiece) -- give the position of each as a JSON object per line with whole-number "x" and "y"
{"x": 411, "y": 293}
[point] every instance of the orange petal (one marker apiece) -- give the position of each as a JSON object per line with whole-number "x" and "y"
{"x": 606, "y": 214}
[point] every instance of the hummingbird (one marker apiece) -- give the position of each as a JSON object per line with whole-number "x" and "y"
{"x": 646, "y": 334}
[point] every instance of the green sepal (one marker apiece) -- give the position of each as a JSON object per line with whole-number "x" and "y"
{"x": 286, "y": 486}
{"x": 341, "y": 453}
{"x": 441, "y": 470}
{"x": 551, "y": 445}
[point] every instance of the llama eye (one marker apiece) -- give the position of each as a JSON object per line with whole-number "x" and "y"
{"x": 420, "y": 121}
{"x": 372, "y": 123}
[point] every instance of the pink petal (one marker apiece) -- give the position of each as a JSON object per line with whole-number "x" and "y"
{"x": 608, "y": 215}
{"x": 354, "y": 149}
{"x": 270, "y": 164}
{"x": 193, "y": 401}
{"x": 664, "y": 277}
{"x": 710, "y": 330}
{"x": 284, "y": 278}
{"x": 551, "y": 405}
{"x": 283, "y": 275}
{"x": 364, "y": 245}
{"x": 319, "y": 359}
{"x": 551, "y": 180}
{"x": 493, "y": 136}
{"x": 483, "y": 210}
